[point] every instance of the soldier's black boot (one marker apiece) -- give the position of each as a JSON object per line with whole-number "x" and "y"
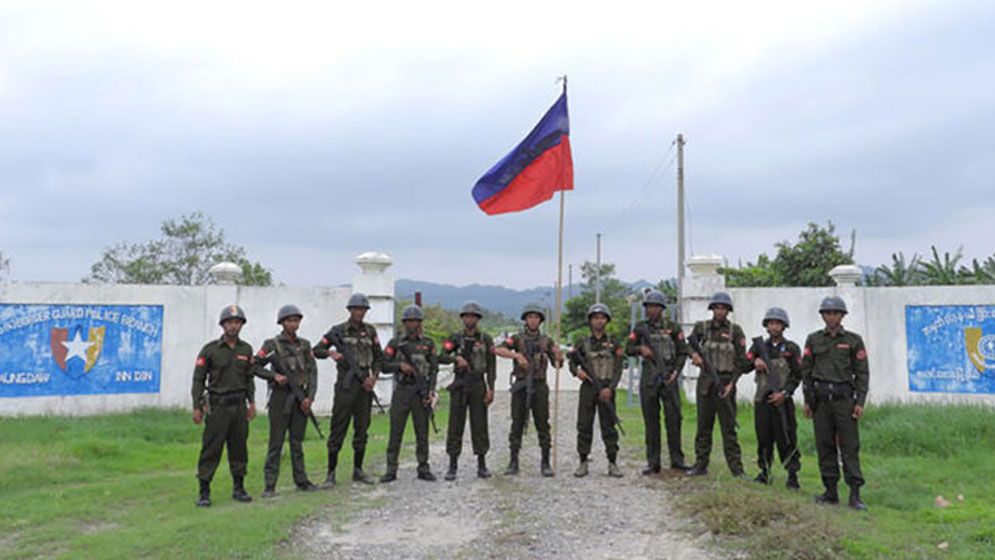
{"x": 651, "y": 469}
{"x": 545, "y": 469}
{"x": 269, "y": 492}
{"x": 581, "y": 467}
{"x": 205, "y": 494}
{"x": 425, "y": 473}
{"x": 697, "y": 470}
{"x": 357, "y": 468}
{"x": 679, "y": 466}
{"x": 829, "y": 497}
{"x": 453, "y": 463}
{"x": 482, "y": 471}
{"x": 330, "y": 477}
{"x": 512, "y": 469}
{"x": 307, "y": 486}
{"x": 855, "y": 502}
{"x": 762, "y": 477}
{"x": 390, "y": 475}
{"x": 792, "y": 482}
{"x": 238, "y": 492}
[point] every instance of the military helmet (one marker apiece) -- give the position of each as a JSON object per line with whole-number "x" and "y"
{"x": 720, "y": 298}
{"x": 533, "y": 308}
{"x": 358, "y": 300}
{"x": 776, "y": 314}
{"x": 471, "y": 308}
{"x": 833, "y": 303}
{"x": 599, "y": 308}
{"x": 412, "y": 313}
{"x": 655, "y": 297}
{"x": 288, "y": 310}
{"x": 231, "y": 312}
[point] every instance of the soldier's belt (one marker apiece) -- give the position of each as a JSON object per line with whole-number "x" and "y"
{"x": 227, "y": 399}
{"x": 833, "y": 391}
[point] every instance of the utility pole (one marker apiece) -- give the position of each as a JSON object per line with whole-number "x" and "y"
{"x": 680, "y": 229}
{"x": 597, "y": 271}
{"x": 570, "y": 281}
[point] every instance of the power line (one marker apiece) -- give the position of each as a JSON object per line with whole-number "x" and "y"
{"x": 644, "y": 192}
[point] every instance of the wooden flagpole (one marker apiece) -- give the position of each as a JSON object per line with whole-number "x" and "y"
{"x": 557, "y": 313}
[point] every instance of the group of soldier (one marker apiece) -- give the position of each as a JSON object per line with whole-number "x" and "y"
{"x": 832, "y": 371}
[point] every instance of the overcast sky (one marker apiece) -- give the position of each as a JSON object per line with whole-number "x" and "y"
{"x": 314, "y": 132}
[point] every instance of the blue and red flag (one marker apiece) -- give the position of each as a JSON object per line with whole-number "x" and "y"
{"x": 538, "y": 167}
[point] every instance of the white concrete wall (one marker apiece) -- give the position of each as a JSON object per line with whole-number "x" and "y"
{"x": 877, "y": 314}
{"x": 190, "y": 319}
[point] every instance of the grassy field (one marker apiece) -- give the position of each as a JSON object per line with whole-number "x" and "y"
{"x": 124, "y": 486}
{"x": 909, "y": 454}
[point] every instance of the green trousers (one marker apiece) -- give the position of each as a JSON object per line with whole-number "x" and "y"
{"x": 539, "y": 408}
{"x": 405, "y": 401}
{"x": 709, "y": 406}
{"x": 833, "y": 420}
{"x": 280, "y": 423}
{"x": 588, "y": 404}
{"x": 462, "y": 401}
{"x": 224, "y": 425}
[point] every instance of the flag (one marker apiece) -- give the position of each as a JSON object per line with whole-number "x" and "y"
{"x": 539, "y": 166}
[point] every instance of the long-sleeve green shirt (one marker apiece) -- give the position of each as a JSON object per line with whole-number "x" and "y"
{"x": 295, "y": 357}
{"x": 837, "y": 358}
{"x": 479, "y": 353}
{"x": 418, "y": 351}
{"x": 221, "y": 369}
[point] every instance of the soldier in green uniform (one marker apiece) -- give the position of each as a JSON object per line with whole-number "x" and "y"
{"x": 532, "y": 352}
{"x": 224, "y": 392}
{"x": 292, "y": 368}
{"x": 358, "y": 359}
{"x": 472, "y": 352}
{"x": 411, "y": 358}
{"x": 597, "y": 361}
{"x": 773, "y": 405}
{"x": 724, "y": 345}
{"x": 835, "y": 381}
{"x": 660, "y": 342}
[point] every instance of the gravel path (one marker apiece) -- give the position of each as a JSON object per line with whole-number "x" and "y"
{"x": 509, "y": 517}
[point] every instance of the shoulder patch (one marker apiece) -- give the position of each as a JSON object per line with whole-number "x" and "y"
{"x": 448, "y": 345}
{"x": 389, "y": 350}
{"x": 808, "y": 350}
{"x": 201, "y": 361}
{"x": 861, "y": 354}
{"x": 680, "y": 335}
{"x": 261, "y": 353}
{"x": 633, "y": 336}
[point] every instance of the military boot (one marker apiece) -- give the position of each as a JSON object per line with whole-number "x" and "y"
{"x": 545, "y": 468}
{"x": 425, "y": 473}
{"x": 697, "y": 470}
{"x": 829, "y": 497}
{"x": 238, "y": 490}
{"x": 512, "y": 469}
{"x": 205, "y": 494}
{"x": 581, "y": 468}
{"x": 390, "y": 475}
{"x": 613, "y": 470}
{"x": 307, "y": 486}
{"x": 855, "y": 502}
{"x": 357, "y": 468}
{"x": 482, "y": 471}
{"x": 269, "y": 492}
{"x": 792, "y": 482}
{"x": 453, "y": 463}
{"x": 763, "y": 477}
{"x": 330, "y": 477}
{"x": 651, "y": 469}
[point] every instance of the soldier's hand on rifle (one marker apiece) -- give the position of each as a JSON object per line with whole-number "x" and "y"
{"x": 369, "y": 382}
{"x": 461, "y": 363}
{"x": 280, "y": 379}
{"x": 430, "y": 399}
{"x": 582, "y": 375}
{"x": 521, "y": 360}
{"x": 760, "y": 365}
{"x": 858, "y": 411}
{"x": 672, "y": 377}
{"x": 338, "y": 357}
{"x": 605, "y": 395}
{"x": 776, "y": 398}
{"x": 198, "y": 415}
{"x": 807, "y": 410}
{"x": 646, "y": 352}
{"x": 250, "y": 412}
{"x": 725, "y": 391}
{"x": 489, "y": 397}
{"x": 696, "y": 359}
{"x": 306, "y": 406}
{"x": 406, "y": 369}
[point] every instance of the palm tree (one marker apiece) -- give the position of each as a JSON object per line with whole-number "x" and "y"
{"x": 982, "y": 273}
{"x": 942, "y": 272}
{"x": 900, "y": 273}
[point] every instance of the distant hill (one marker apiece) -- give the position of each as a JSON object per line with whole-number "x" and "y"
{"x": 506, "y": 301}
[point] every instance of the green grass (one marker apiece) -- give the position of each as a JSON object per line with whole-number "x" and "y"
{"x": 910, "y": 454}
{"x": 124, "y": 486}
